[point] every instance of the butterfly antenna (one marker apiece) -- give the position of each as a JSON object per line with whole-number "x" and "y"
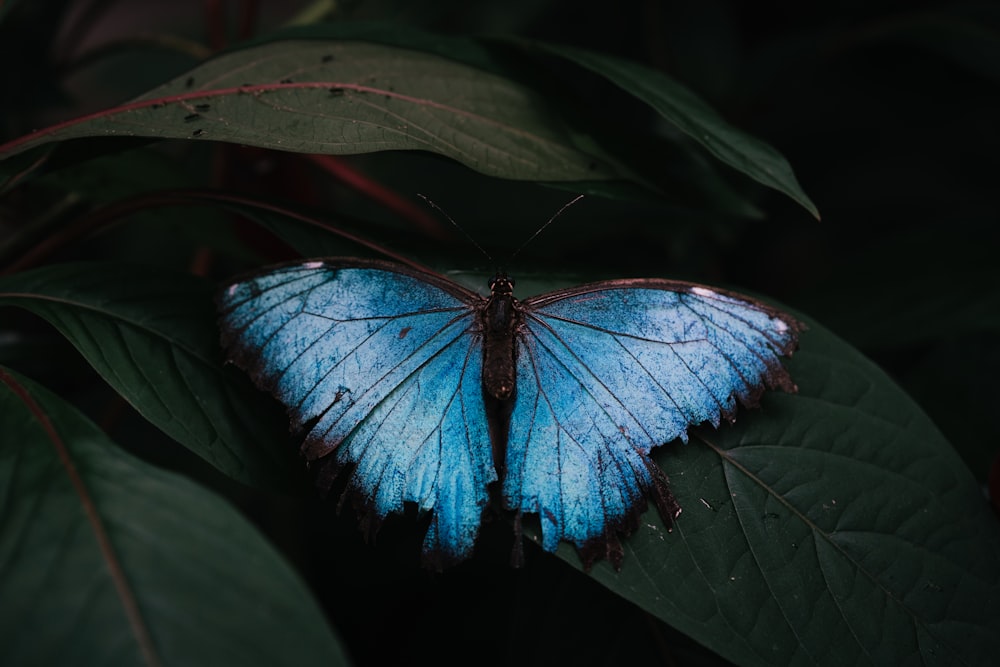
{"x": 551, "y": 220}
{"x": 457, "y": 226}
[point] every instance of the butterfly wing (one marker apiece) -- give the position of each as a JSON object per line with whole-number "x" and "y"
{"x": 608, "y": 371}
{"x": 379, "y": 367}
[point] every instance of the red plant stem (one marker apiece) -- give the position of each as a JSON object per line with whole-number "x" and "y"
{"x": 250, "y": 89}
{"x": 249, "y": 9}
{"x": 76, "y": 32}
{"x": 215, "y": 24}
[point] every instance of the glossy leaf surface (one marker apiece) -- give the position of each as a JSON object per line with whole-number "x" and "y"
{"x": 108, "y": 560}
{"x": 348, "y": 97}
{"x": 150, "y": 334}
{"x": 694, "y": 117}
{"x": 835, "y": 526}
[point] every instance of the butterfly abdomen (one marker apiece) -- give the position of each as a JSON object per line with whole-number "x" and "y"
{"x": 499, "y": 322}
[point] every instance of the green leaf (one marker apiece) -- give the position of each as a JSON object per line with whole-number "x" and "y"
{"x": 21, "y": 167}
{"x": 108, "y": 560}
{"x": 308, "y": 234}
{"x": 111, "y": 178}
{"x": 151, "y": 335}
{"x": 343, "y": 97}
{"x": 694, "y": 117}
{"x": 108, "y": 180}
{"x": 689, "y": 177}
{"x": 834, "y": 526}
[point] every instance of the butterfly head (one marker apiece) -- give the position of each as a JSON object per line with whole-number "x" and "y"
{"x": 501, "y": 284}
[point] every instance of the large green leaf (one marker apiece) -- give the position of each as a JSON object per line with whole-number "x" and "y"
{"x": 396, "y": 88}
{"x": 672, "y": 100}
{"x": 694, "y": 117}
{"x": 150, "y": 333}
{"x": 834, "y": 526}
{"x": 108, "y": 560}
{"x": 344, "y": 97}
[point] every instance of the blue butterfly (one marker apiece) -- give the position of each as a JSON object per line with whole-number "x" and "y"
{"x": 431, "y": 394}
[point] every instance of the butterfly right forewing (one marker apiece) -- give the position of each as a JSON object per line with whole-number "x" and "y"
{"x": 607, "y": 372}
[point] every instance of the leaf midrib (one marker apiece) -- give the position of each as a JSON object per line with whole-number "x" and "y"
{"x": 123, "y": 588}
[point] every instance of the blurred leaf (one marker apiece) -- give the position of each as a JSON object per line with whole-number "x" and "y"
{"x": 151, "y": 335}
{"x": 108, "y": 560}
{"x": 6, "y": 6}
{"x": 966, "y": 34}
{"x": 955, "y": 381}
{"x": 460, "y": 48}
{"x": 106, "y": 180}
{"x": 912, "y": 308}
{"x": 694, "y": 117}
{"x": 311, "y": 235}
{"x": 912, "y": 288}
{"x": 109, "y": 178}
{"x": 348, "y": 97}
{"x": 835, "y": 526}
{"x": 21, "y": 167}
{"x": 689, "y": 175}
{"x": 29, "y": 42}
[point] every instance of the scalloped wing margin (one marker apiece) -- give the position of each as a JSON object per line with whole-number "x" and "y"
{"x": 380, "y": 370}
{"x": 607, "y": 372}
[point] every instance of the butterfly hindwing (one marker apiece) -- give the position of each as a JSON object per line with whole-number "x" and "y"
{"x": 608, "y": 371}
{"x": 380, "y": 369}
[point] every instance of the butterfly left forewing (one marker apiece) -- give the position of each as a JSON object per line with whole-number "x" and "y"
{"x": 427, "y": 442}
{"x": 606, "y": 372}
{"x": 379, "y": 368}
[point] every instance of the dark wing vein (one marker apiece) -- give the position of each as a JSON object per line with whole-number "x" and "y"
{"x": 708, "y": 301}
{"x": 598, "y": 380}
{"x": 637, "y": 474}
{"x": 391, "y": 370}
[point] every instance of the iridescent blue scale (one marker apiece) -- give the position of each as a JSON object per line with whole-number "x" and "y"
{"x": 381, "y": 366}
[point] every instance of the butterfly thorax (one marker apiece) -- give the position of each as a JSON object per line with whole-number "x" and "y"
{"x": 499, "y": 322}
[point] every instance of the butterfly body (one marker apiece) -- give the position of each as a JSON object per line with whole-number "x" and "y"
{"x": 428, "y": 393}
{"x": 500, "y": 318}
